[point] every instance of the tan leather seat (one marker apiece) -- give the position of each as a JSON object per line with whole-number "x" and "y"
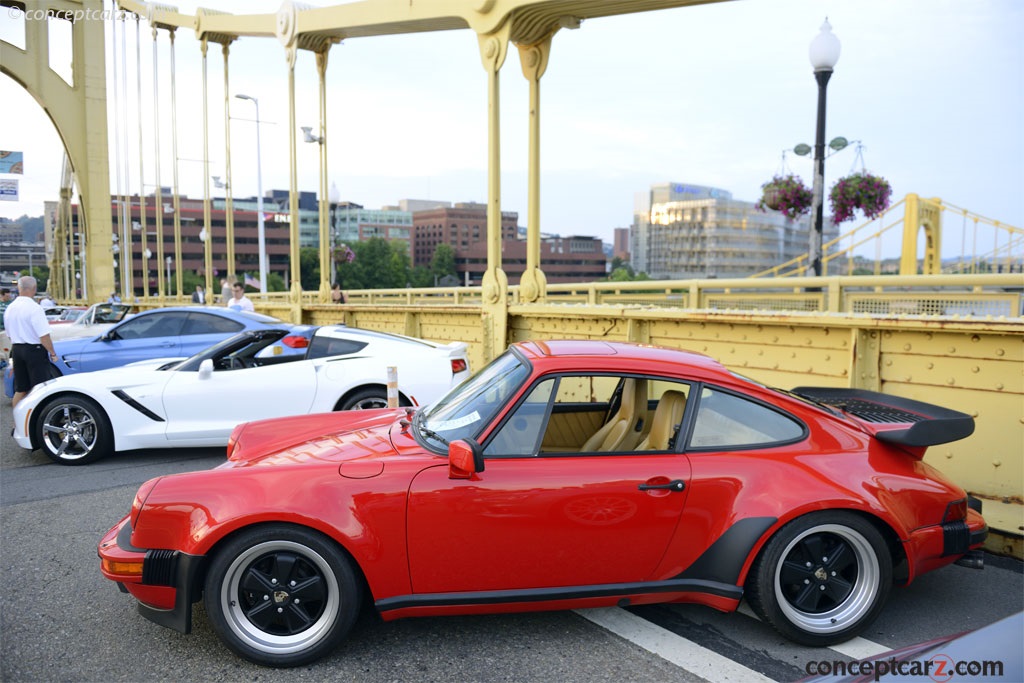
{"x": 621, "y": 430}
{"x": 665, "y": 423}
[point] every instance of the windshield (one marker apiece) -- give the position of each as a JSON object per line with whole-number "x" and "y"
{"x": 242, "y": 345}
{"x": 465, "y": 410}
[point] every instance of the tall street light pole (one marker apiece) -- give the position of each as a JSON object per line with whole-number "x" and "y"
{"x": 823, "y": 53}
{"x": 261, "y": 228}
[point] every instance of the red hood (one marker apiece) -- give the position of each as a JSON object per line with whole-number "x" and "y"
{"x": 335, "y": 437}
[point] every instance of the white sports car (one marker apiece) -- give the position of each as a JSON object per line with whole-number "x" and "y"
{"x": 256, "y": 374}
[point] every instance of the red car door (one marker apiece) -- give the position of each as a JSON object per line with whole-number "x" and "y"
{"x": 547, "y": 521}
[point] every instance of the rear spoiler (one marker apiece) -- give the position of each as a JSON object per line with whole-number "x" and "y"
{"x": 930, "y": 425}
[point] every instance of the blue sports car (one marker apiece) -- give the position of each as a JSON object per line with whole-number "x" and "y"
{"x": 176, "y": 331}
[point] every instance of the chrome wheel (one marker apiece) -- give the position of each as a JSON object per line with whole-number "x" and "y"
{"x": 829, "y": 578}
{"x": 280, "y": 597}
{"x": 73, "y": 431}
{"x": 822, "y": 578}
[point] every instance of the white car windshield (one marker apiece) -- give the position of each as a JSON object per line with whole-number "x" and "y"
{"x": 464, "y": 411}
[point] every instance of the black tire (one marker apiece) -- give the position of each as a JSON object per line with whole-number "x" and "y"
{"x": 281, "y": 595}
{"x": 73, "y": 430}
{"x": 822, "y": 579}
{"x": 367, "y": 399}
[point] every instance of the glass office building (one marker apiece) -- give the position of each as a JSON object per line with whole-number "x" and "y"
{"x": 691, "y": 231}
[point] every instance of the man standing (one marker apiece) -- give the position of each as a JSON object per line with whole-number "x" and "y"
{"x": 239, "y": 302}
{"x": 199, "y": 296}
{"x": 26, "y": 324}
{"x": 5, "y": 299}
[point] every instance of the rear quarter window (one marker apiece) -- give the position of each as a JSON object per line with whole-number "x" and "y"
{"x": 322, "y": 347}
{"x": 726, "y": 420}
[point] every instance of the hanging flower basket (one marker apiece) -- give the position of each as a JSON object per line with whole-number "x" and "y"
{"x": 786, "y": 194}
{"x": 863, "y": 191}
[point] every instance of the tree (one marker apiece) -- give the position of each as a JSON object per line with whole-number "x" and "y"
{"x": 443, "y": 262}
{"x": 378, "y": 264}
{"x": 309, "y": 268}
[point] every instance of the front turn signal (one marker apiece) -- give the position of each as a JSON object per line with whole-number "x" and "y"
{"x": 122, "y": 567}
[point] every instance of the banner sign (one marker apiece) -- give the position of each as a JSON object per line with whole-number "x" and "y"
{"x": 8, "y": 190}
{"x": 11, "y": 162}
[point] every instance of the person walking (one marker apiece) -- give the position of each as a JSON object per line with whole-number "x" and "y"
{"x": 5, "y": 300}
{"x": 239, "y": 302}
{"x": 31, "y": 347}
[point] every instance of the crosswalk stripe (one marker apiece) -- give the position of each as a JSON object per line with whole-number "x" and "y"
{"x": 682, "y": 652}
{"x": 855, "y": 648}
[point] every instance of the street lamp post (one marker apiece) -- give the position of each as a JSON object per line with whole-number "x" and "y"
{"x": 823, "y": 53}
{"x": 261, "y": 228}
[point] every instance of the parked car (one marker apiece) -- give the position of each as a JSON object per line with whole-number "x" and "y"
{"x": 565, "y": 474}
{"x": 176, "y": 331}
{"x": 990, "y": 653}
{"x": 255, "y": 374}
{"x": 160, "y": 333}
{"x": 89, "y": 322}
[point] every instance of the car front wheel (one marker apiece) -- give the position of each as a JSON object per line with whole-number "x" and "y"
{"x": 281, "y": 596}
{"x": 822, "y": 579}
{"x": 368, "y": 399}
{"x": 74, "y": 430}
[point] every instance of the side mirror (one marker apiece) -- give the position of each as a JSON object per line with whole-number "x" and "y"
{"x": 465, "y": 458}
{"x": 206, "y": 369}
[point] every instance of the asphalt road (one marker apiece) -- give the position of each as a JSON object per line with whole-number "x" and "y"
{"x": 60, "y": 620}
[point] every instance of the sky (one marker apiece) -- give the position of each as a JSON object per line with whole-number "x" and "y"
{"x": 707, "y": 95}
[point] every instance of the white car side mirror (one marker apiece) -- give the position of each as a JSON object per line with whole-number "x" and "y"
{"x": 206, "y": 369}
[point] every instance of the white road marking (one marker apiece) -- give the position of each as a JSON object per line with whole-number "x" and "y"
{"x": 683, "y": 653}
{"x": 855, "y": 648}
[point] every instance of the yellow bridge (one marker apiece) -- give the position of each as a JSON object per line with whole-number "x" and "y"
{"x": 956, "y": 339}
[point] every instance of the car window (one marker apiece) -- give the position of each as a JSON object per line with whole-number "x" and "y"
{"x": 726, "y": 420}
{"x": 324, "y": 346}
{"x": 593, "y": 414}
{"x": 166, "y": 324}
{"x": 204, "y": 323}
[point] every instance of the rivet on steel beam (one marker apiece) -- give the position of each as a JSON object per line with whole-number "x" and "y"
{"x": 975, "y": 369}
{"x": 888, "y": 362}
{"x": 906, "y": 347}
{"x": 952, "y": 349}
{"x": 997, "y": 463}
{"x": 1000, "y": 352}
{"x": 951, "y": 381}
{"x": 931, "y": 366}
{"x": 999, "y": 386}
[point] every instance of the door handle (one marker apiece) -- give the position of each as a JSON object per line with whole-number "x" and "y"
{"x": 674, "y": 485}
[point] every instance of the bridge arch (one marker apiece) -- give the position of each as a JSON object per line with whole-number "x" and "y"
{"x": 922, "y": 216}
{"x": 78, "y": 112}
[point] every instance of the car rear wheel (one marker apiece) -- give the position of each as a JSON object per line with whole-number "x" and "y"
{"x": 822, "y": 578}
{"x": 281, "y": 596}
{"x": 74, "y": 430}
{"x": 367, "y": 399}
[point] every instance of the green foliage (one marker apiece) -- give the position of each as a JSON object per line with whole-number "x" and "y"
{"x": 378, "y": 264}
{"x": 443, "y": 262}
{"x": 309, "y": 268}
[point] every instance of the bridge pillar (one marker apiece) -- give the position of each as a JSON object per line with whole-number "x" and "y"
{"x": 534, "y": 62}
{"x": 493, "y": 49}
{"x": 79, "y": 113}
{"x": 921, "y": 213}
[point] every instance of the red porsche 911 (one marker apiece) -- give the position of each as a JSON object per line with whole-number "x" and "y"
{"x": 565, "y": 474}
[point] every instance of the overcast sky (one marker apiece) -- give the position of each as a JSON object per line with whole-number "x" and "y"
{"x": 708, "y": 95}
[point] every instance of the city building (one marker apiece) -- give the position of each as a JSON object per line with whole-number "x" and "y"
{"x": 620, "y": 244}
{"x": 352, "y": 222}
{"x": 563, "y": 259}
{"x": 461, "y": 226}
{"x": 690, "y": 231}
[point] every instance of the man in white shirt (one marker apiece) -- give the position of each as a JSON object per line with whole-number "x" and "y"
{"x": 239, "y": 301}
{"x": 31, "y": 348}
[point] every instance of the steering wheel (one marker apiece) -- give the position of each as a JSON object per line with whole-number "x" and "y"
{"x": 236, "y": 363}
